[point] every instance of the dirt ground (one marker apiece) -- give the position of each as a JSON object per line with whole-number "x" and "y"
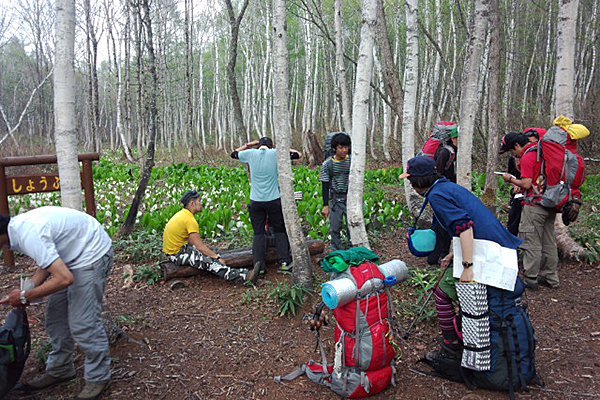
{"x": 215, "y": 340}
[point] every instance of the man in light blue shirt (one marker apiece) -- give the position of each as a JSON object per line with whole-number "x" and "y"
{"x": 265, "y": 199}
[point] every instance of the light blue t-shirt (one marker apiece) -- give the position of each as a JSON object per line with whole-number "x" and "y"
{"x": 47, "y": 233}
{"x": 263, "y": 173}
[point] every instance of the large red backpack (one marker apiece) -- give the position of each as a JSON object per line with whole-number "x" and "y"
{"x": 562, "y": 171}
{"x": 364, "y": 356}
{"x": 440, "y": 134}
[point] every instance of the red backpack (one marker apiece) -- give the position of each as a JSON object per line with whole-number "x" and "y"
{"x": 364, "y": 355}
{"x": 562, "y": 171}
{"x": 440, "y": 134}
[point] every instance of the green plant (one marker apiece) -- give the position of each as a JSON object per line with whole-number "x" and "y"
{"x": 42, "y": 349}
{"x": 288, "y": 297}
{"x": 122, "y": 320}
{"x": 421, "y": 280}
{"x": 253, "y": 296}
{"x": 141, "y": 247}
{"x": 149, "y": 274}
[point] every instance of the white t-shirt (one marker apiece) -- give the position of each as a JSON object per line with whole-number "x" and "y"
{"x": 47, "y": 233}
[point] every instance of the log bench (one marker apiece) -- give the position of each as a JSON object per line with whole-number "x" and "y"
{"x": 236, "y": 258}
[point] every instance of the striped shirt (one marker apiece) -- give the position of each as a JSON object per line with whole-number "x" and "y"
{"x": 337, "y": 175}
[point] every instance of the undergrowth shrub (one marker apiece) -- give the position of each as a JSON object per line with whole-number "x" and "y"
{"x": 289, "y": 298}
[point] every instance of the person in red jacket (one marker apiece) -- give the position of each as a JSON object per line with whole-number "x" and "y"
{"x": 540, "y": 255}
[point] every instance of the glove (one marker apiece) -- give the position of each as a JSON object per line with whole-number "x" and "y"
{"x": 574, "y": 211}
{"x": 571, "y": 211}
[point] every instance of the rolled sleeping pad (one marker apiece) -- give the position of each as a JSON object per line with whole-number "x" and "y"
{"x": 341, "y": 291}
{"x": 338, "y": 292}
{"x": 395, "y": 268}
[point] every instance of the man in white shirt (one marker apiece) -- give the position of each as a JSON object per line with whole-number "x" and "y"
{"x": 74, "y": 249}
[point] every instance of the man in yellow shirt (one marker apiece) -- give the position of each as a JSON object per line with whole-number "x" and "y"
{"x": 183, "y": 246}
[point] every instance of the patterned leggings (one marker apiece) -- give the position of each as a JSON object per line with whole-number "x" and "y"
{"x": 445, "y": 312}
{"x": 191, "y": 256}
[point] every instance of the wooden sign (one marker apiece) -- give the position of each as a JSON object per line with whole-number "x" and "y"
{"x": 26, "y": 184}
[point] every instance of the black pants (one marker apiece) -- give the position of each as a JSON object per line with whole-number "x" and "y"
{"x": 514, "y": 216}
{"x": 260, "y": 211}
{"x": 442, "y": 245}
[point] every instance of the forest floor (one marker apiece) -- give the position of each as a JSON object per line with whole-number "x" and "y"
{"x": 215, "y": 340}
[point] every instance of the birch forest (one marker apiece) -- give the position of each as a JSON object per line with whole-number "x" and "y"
{"x": 214, "y": 83}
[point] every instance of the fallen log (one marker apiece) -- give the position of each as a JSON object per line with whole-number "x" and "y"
{"x": 236, "y": 258}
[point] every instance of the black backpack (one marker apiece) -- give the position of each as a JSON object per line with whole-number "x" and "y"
{"x": 15, "y": 344}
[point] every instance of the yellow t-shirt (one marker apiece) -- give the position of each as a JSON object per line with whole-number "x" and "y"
{"x": 178, "y": 230}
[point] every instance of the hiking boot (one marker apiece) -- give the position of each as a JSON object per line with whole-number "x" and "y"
{"x": 531, "y": 285}
{"x": 93, "y": 390}
{"x": 542, "y": 281}
{"x": 448, "y": 351}
{"x": 286, "y": 267}
{"x": 252, "y": 275}
{"x": 44, "y": 382}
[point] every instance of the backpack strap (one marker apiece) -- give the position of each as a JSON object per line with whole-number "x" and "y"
{"x": 509, "y": 359}
{"x": 518, "y": 366}
{"x": 531, "y": 345}
{"x": 421, "y": 212}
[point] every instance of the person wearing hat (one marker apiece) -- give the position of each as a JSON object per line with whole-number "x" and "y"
{"x": 184, "y": 247}
{"x": 461, "y": 214}
{"x": 540, "y": 254}
{"x": 74, "y": 257}
{"x": 265, "y": 200}
{"x": 445, "y": 163}
{"x": 514, "y": 169}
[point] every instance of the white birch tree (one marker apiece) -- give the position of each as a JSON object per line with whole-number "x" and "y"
{"x": 469, "y": 103}
{"x": 360, "y": 118}
{"x": 564, "y": 92}
{"x": 64, "y": 106}
{"x": 411, "y": 72}
{"x": 565, "y": 58}
{"x": 302, "y": 262}
{"x": 340, "y": 66}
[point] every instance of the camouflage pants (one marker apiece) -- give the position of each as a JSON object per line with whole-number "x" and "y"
{"x": 191, "y": 256}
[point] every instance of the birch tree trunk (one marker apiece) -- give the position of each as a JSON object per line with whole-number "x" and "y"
{"x": 565, "y": 58}
{"x": 234, "y": 22}
{"x": 360, "y": 117}
{"x": 411, "y": 72}
{"x": 563, "y": 102}
{"x": 491, "y": 181}
{"x": 119, "y": 86}
{"x": 390, "y": 72}
{"x": 64, "y": 106}
{"x": 302, "y": 263}
{"x": 469, "y": 103}
{"x": 342, "y": 88}
{"x": 146, "y": 24}
{"x": 189, "y": 109}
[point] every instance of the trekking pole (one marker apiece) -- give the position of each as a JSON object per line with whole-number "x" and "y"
{"x": 407, "y": 331}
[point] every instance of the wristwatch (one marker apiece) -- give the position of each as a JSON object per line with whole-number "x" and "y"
{"x": 467, "y": 264}
{"x": 23, "y": 299}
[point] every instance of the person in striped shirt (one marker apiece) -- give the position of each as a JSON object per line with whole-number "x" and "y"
{"x": 334, "y": 175}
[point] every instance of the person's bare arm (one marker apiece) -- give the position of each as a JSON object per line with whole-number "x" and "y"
{"x": 524, "y": 183}
{"x": 194, "y": 240}
{"x": 246, "y": 146}
{"x": 466, "y": 246}
{"x": 61, "y": 278}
